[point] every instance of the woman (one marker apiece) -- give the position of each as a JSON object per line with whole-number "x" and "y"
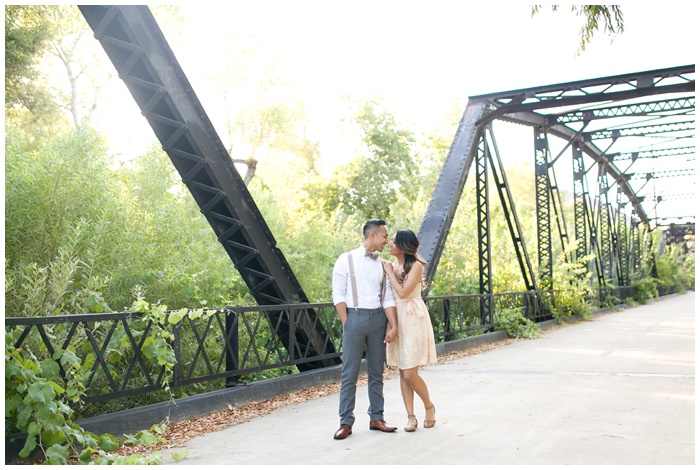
{"x": 415, "y": 344}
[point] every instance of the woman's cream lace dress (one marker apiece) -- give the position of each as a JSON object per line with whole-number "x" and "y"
{"x": 415, "y": 344}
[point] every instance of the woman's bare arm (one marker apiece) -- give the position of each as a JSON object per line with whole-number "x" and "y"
{"x": 414, "y": 277}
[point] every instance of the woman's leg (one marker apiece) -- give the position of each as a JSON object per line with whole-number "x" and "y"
{"x": 417, "y": 384}
{"x": 406, "y": 394}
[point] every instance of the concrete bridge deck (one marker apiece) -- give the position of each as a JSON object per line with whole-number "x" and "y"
{"x": 619, "y": 390}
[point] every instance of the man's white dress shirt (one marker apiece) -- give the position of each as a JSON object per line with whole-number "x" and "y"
{"x": 368, "y": 278}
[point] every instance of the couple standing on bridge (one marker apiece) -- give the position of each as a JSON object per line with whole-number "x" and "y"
{"x": 390, "y": 321}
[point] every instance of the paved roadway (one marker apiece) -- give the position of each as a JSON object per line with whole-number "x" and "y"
{"x": 619, "y": 389}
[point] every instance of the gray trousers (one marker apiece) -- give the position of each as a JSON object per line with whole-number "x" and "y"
{"x": 364, "y": 329}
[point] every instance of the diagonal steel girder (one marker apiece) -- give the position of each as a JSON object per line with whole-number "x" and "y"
{"x": 448, "y": 190}
{"x": 521, "y": 107}
{"x": 141, "y": 55}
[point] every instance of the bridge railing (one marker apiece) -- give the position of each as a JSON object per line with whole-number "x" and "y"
{"x": 119, "y": 356}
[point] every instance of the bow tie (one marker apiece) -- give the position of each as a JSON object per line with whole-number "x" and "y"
{"x": 371, "y": 254}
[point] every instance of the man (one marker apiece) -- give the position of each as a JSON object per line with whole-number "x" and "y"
{"x": 365, "y": 304}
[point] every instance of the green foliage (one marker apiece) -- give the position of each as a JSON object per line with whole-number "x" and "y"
{"x": 72, "y": 221}
{"x": 673, "y": 271}
{"x": 85, "y": 236}
{"x": 569, "y": 303}
{"x": 370, "y": 184}
{"x": 41, "y": 393}
{"x": 458, "y": 268}
{"x": 27, "y": 35}
{"x": 513, "y": 322}
{"x": 29, "y": 104}
{"x": 607, "y": 298}
{"x": 51, "y": 190}
{"x": 644, "y": 289}
{"x": 161, "y": 219}
{"x": 66, "y": 285}
{"x": 676, "y": 270}
{"x": 179, "y": 456}
{"x": 607, "y": 16}
{"x": 309, "y": 240}
{"x": 158, "y": 346}
{"x": 572, "y": 283}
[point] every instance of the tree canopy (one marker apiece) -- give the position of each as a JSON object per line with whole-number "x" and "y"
{"x": 28, "y": 34}
{"x": 609, "y": 17}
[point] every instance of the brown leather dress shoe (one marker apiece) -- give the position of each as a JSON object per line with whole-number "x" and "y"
{"x": 380, "y": 425}
{"x": 343, "y": 431}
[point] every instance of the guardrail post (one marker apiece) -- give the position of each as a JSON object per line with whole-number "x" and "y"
{"x": 446, "y": 318}
{"x": 292, "y": 334}
{"x": 177, "y": 350}
{"x": 232, "y": 349}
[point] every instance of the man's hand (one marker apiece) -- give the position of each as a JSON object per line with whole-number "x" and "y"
{"x": 342, "y": 309}
{"x": 391, "y": 333}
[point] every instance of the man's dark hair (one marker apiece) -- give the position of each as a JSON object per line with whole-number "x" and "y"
{"x": 372, "y": 226}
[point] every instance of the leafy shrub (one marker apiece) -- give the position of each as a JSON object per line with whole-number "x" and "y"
{"x": 573, "y": 289}
{"x": 516, "y": 325}
{"x": 676, "y": 270}
{"x": 644, "y": 289}
{"x": 39, "y": 402}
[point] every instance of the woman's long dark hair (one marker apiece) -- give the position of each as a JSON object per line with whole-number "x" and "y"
{"x": 407, "y": 242}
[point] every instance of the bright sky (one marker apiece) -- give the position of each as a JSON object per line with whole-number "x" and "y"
{"x": 420, "y": 55}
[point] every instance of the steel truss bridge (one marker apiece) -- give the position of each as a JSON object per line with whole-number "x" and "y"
{"x": 626, "y": 142}
{"x": 621, "y": 123}
{"x": 637, "y": 129}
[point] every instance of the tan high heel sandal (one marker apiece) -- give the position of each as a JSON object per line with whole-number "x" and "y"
{"x": 429, "y": 423}
{"x": 412, "y": 424}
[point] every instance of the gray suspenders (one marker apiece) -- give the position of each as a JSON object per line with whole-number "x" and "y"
{"x": 354, "y": 284}
{"x": 383, "y": 292}
{"x": 352, "y": 281}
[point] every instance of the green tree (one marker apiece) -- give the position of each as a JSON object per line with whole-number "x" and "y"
{"x": 81, "y": 236}
{"x": 58, "y": 207}
{"x": 675, "y": 270}
{"x": 28, "y": 35}
{"x": 370, "y": 184}
{"x": 173, "y": 253}
{"x": 49, "y": 190}
{"x": 609, "y": 17}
